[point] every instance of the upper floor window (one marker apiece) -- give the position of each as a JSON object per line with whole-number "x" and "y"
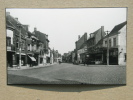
{"x": 10, "y": 34}
{"x": 28, "y": 47}
{"x": 23, "y": 45}
{"x": 106, "y": 43}
{"x": 17, "y": 43}
{"x": 109, "y": 42}
{"x": 8, "y": 41}
{"x": 114, "y": 41}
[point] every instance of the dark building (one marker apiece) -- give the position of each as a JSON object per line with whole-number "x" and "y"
{"x": 95, "y": 39}
{"x": 34, "y": 46}
{"x": 13, "y": 31}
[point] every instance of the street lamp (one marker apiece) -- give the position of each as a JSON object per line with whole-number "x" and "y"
{"x": 19, "y": 26}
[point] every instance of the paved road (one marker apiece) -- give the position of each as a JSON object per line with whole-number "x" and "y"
{"x": 69, "y": 74}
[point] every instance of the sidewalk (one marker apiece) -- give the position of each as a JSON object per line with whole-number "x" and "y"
{"x": 28, "y": 67}
{"x": 96, "y": 65}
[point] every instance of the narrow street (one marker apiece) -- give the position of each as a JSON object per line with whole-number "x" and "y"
{"x": 69, "y": 74}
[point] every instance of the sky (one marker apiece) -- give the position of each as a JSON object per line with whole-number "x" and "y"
{"x": 64, "y": 25}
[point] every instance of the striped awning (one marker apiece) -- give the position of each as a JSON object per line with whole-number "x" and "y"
{"x": 32, "y": 58}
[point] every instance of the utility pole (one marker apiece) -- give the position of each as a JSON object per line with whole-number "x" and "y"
{"x": 19, "y": 26}
{"x": 107, "y": 47}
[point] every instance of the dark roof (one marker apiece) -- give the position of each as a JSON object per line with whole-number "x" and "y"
{"x": 85, "y": 43}
{"x": 40, "y": 36}
{"x": 118, "y": 27}
{"x": 12, "y": 22}
{"x": 100, "y": 42}
{"x": 96, "y": 31}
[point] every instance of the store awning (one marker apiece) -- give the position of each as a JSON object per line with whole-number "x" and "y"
{"x": 32, "y": 58}
{"x": 21, "y": 53}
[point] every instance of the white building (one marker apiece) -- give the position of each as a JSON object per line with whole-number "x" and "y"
{"x": 117, "y": 44}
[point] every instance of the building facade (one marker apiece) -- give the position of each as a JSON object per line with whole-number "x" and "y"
{"x": 34, "y": 47}
{"x": 95, "y": 54}
{"x": 116, "y": 44}
{"x": 80, "y": 48}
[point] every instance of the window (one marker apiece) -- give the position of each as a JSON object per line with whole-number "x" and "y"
{"x": 17, "y": 44}
{"x": 23, "y": 45}
{"x": 28, "y": 47}
{"x": 114, "y": 41}
{"x": 105, "y": 43}
{"x": 125, "y": 56}
{"x": 110, "y": 43}
{"x": 34, "y": 46}
{"x": 9, "y": 41}
{"x": 10, "y": 34}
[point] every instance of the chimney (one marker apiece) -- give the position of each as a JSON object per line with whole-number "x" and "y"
{"x": 46, "y": 36}
{"x": 85, "y": 36}
{"x": 16, "y": 19}
{"x": 79, "y": 37}
{"x": 35, "y": 29}
{"x": 90, "y": 35}
{"x": 26, "y": 27}
{"x": 7, "y": 13}
{"x": 102, "y": 32}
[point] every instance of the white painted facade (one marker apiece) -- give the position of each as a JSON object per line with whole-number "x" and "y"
{"x": 112, "y": 41}
{"x": 122, "y": 46}
{"x": 10, "y": 34}
{"x": 120, "y": 43}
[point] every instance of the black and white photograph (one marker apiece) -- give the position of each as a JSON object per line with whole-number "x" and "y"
{"x": 66, "y": 46}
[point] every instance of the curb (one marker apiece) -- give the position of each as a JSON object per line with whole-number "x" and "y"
{"x": 34, "y": 67}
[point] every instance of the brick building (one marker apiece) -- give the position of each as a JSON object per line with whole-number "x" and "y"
{"x": 80, "y": 53}
{"x": 95, "y": 38}
{"x": 44, "y": 56}
{"x": 13, "y": 43}
{"x": 34, "y": 46}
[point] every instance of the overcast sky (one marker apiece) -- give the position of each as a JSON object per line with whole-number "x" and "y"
{"x": 64, "y": 25}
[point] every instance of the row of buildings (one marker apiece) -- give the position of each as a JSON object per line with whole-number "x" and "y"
{"x": 102, "y": 47}
{"x": 31, "y": 47}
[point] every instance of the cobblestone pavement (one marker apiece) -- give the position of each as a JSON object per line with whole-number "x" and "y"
{"x": 70, "y": 74}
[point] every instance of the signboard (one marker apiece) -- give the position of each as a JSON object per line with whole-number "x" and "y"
{"x": 83, "y": 50}
{"x": 8, "y": 48}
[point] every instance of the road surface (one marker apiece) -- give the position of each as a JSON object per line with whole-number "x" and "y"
{"x": 69, "y": 74}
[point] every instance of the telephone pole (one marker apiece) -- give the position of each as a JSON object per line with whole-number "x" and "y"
{"x": 19, "y": 26}
{"x": 107, "y": 47}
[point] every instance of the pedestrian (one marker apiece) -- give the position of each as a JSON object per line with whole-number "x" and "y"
{"x": 59, "y": 62}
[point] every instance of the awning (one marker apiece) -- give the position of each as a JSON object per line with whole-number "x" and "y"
{"x": 21, "y": 53}
{"x": 32, "y": 58}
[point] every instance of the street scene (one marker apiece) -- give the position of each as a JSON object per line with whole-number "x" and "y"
{"x": 66, "y": 46}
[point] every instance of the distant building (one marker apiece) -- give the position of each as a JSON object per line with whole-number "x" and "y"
{"x": 57, "y": 56}
{"x": 80, "y": 53}
{"x": 44, "y": 50}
